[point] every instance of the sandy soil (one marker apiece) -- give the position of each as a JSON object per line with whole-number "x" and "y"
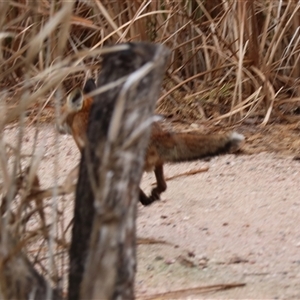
{"x": 236, "y": 223}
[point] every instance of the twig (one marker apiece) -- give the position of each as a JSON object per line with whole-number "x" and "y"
{"x": 191, "y": 172}
{"x": 179, "y": 294}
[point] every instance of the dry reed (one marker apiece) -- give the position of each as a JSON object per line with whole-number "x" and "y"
{"x": 231, "y": 61}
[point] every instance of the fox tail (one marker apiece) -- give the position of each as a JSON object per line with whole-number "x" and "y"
{"x": 179, "y": 147}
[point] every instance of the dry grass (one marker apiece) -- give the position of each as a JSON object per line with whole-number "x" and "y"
{"x": 232, "y": 61}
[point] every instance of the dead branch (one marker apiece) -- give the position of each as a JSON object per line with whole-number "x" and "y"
{"x": 18, "y": 277}
{"x": 188, "y": 173}
{"x": 185, "y": 293}
{"x": 103, "y": 236}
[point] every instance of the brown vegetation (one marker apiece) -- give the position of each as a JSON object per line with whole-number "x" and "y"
{"x": 232, "y": 62}
{"x": 230, "y": 59}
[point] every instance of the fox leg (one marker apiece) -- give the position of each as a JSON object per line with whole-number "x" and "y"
{"x": 144, "y": 199}
{"x": 160, "y": 181}
{"x": 147, "y": 200}
{"x": 155, "y": 193}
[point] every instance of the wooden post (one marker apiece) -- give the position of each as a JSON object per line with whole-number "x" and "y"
{"x": 103, "y": 246}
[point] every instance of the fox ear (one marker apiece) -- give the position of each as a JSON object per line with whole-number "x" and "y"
{"x": 89, "y": 86}
{"x": 75, "y": 100}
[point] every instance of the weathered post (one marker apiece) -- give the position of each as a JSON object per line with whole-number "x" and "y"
{"x": 103, "y": 246}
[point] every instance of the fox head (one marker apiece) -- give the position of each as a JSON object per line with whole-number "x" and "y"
{"x": 75, "y": 112}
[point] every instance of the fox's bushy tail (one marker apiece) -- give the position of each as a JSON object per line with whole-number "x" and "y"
{"x": 178, "y": 147}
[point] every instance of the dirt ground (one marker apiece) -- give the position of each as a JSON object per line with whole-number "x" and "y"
{"x": 230, "y": 232}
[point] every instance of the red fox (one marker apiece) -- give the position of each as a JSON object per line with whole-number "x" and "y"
{"x": 164, "y": 146}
